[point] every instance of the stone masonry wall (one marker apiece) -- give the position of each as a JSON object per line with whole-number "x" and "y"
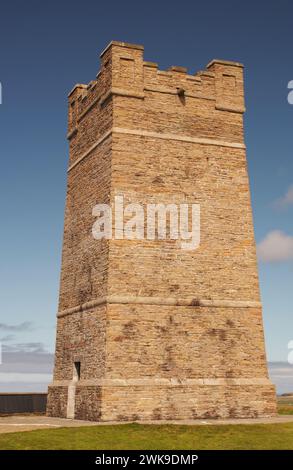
{"x": 160, "y": 332}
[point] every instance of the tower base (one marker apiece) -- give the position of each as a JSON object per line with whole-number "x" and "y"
{"x": 165, "y": 400}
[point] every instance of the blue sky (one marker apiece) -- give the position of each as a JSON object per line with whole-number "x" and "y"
{"x": 45, "y": 48}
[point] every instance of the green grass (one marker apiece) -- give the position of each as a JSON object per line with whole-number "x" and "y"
{"x": 154, "y": 437}
{"x": 285, "y": 410}
{"x": 285, "y": 405}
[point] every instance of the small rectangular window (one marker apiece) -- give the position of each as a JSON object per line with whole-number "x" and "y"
{"x": 76, "y": 371}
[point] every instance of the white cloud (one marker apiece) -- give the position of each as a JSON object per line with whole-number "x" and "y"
{"x": 276, "y": 246}
{"x": 32, "y": 347}
{"x": 24, "y": 377}
{"x": 286, "y": 200}
{"x": 25, "y": 326}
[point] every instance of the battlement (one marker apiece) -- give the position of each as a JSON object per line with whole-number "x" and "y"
{"x": 124, "y": 72}
{"x": 127, "y": 45}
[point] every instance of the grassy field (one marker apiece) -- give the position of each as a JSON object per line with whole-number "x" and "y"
{"x": 285, "y": 405}
{"x": 156, "y": 437}
{"x": 285, "y": 409}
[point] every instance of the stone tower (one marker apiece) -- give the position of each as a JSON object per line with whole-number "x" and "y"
{"x": 147, "y": 330}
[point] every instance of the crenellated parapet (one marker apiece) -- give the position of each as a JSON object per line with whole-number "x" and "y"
{"x": 125, "y": 73}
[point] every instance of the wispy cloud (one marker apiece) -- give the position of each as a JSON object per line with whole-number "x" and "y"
{"x": 3, "y": 339}
{"x": 20, "y": 377}
{"x": 285, "y": 201}
{"x": 24, "y": 326}
{"x": 276, "y": 246}
{"x": 32, "y": 347}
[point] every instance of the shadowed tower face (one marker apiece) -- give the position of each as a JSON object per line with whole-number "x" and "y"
{"x": 147, "y": 329}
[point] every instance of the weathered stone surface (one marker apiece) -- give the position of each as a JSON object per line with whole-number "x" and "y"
{"x": 159, "y": 332}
